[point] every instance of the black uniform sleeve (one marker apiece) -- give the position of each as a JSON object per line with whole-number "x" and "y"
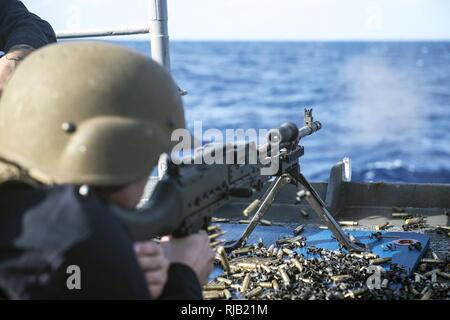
{"x": 19, "y": 26}
{"x": 182, "y": 284}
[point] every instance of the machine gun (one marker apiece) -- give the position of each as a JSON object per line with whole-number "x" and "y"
{"x": 185, "y": 198}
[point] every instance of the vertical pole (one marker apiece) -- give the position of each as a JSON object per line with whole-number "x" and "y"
{"x": 159, "y": 32}
{"x": 159, "y": 45}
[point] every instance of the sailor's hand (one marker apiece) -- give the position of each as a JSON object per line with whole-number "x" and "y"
{"x": 154, "y": 264}
{"x": 9, "y": 62}
{"x": 193, "y": 251}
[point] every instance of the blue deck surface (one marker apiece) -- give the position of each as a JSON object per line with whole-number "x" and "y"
{"x": 323, "y": 239}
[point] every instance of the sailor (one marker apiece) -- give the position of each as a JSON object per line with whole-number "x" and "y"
{"x": 81, "y": 142}
{"x": 20, "y": 33}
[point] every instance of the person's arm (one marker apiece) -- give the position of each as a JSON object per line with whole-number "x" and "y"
{"x": 19, "y": 27}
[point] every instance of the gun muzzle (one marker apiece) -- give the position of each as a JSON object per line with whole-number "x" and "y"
{"x": 308, "y": 130}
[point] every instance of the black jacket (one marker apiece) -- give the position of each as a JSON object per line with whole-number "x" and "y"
{"x": 19, "y": 26}
{"x": 44, "y": 231}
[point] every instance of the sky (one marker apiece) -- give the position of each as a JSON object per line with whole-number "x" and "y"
{"x": 261, "y": 19}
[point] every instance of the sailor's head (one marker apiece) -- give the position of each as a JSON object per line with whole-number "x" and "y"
{"x": 88, "y": 113}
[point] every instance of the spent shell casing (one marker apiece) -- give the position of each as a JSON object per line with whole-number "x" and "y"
{"x": 444, "y": 227}
{"x": 297, "y": 264}
{"x": 432, "y": 261}
{"x": 266, "y": 285}
{"x": 380, "y": 261}
{"x": 341, "y": 277}
{"x": 242, "y": 250}
{"x": 238, "y": 275}
{"x": 251, "y": 207}
{"x": 287, "y": 251}
{"x": 275, "y": 285}
{"x": 444, "y": 275}
{"x": 270, "y": 250}
{"x": 247, "y": 265}
{"x": 265, "y": 222}
{"x": 224, "y": 259}
{"x": 225, "y": 280}
{"x": 401, "y": 215}
{"x": 254, "y": 293}
{"x": 398, "y": 209}
{"x": 285, "y": 277}
{"x": 236, "y": 286}
{"x": 304, "y": 213}
{"x": 435, "y": 256}
{"x": 208, "y": 295}
{"x": 214, "y": 287}
{"x": 427, "y": 295}
{"x": 348, "y": 223}
{"x": 245, "y": 283}
{"x": 227, "y": 294}
{"x": 265, "y": 268}
{"x": 413, "y": 221}
{"x": 299, "y": 229}
{"x": 280, "y": 253}
{"x": 322, "y": 227}
{"x": 382, "y": 226}
{"x": 244, "y": 221}
{"x": 215, "y": 219}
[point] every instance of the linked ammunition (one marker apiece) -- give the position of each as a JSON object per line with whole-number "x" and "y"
{"x": 213, "y": 228}
{"x": 224, "y": 259}
{"x": 215, "y": 243}
{"x": 216, "y": 235}
{"x": 251, "y": 207}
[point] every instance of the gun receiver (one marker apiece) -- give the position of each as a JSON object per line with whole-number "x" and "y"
{"x": 186, "y": 197}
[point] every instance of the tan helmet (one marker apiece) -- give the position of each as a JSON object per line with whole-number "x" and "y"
{"x": 88, "y": 113}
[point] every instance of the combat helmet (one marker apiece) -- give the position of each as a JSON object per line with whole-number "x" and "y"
{"x": 87, "y": 113}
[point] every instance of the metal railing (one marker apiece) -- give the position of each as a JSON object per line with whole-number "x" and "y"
{"x": 157, "y": 29}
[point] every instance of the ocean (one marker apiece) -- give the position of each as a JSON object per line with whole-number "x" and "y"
{"x": 386, "y": 105}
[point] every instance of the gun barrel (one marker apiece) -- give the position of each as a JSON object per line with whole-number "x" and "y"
{"x": 308, "y": 130}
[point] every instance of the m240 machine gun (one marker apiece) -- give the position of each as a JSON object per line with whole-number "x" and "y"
{"x": 184, "y": 200}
